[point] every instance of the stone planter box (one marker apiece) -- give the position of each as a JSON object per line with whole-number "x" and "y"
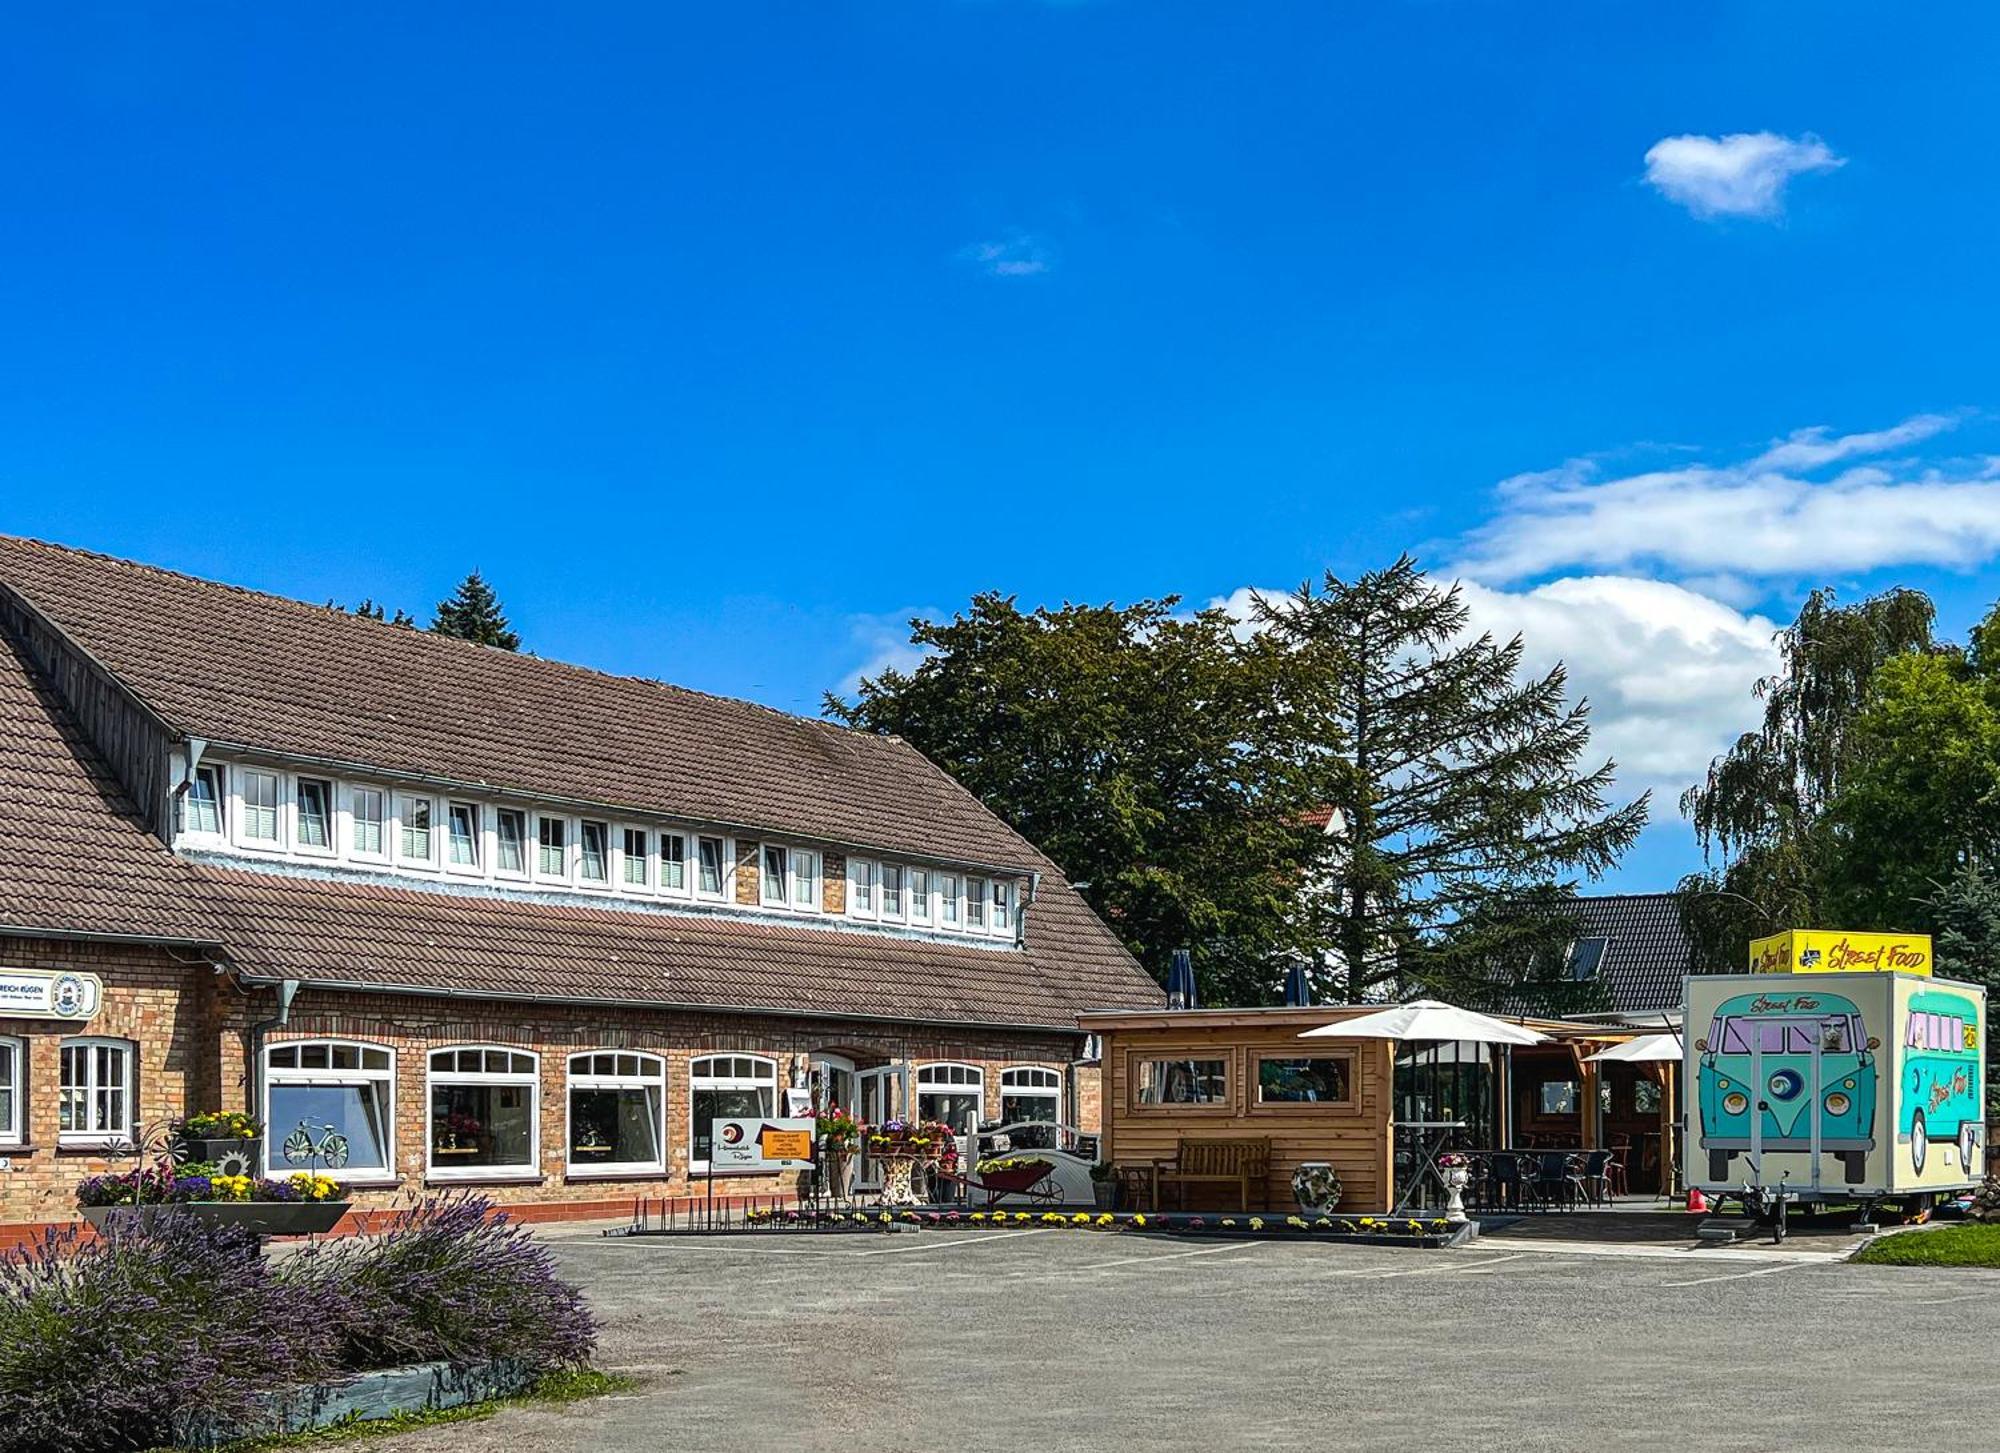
{"x": 227, "y": 1152}
{"x": 420, "y": 1388}
{"x": 265, "y": 1218}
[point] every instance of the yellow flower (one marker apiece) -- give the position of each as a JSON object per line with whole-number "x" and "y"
{"x": 230, "y": 1188}
{"x": 1106, "y": 1219}
{"x": 979, "y": 1215}
{"x": 1020, "y": 1215}
{"x": 1139, "y": 1220}
{"x": 312, "y": 1186}
{"x": 1257, "y": 1223}
{"x": 1081, "y": 1218}
{"x": 1298, "y": 1221}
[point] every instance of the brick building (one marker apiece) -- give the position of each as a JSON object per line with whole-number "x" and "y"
{"x": 498, "y": 920}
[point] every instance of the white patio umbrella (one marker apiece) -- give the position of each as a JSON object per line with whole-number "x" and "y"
{"x": 1428, "y": 1019}
{"x": 1647, "y": 1048}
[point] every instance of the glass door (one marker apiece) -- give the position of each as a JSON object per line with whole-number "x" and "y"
{"x": 880, "y": 1097}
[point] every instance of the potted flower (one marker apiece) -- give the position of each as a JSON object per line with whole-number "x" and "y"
{"x": 459, "y": 1135}
{"x": 1316, "y": 1187}
{"x": 1455, "y": 1170}
{"x": 302, "y": 1204}
{"x": 840, "y": 1133}
{"x": 226, "y": 1139}
{"x": 1104, "y": 1185}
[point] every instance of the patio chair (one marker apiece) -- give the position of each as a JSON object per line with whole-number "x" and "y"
{"x": 1501, "y": 1185}
{"x": 1553, "y": 1179}
{"x": 1614, "y": 1170}
{"x": 1593, "y": 1179}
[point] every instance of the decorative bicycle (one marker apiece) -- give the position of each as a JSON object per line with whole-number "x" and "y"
{"x": 306, "y": 1146}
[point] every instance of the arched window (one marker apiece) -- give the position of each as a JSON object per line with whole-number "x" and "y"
{"x": 953, "y": 1093}
{"x": 1030, "y": 1092}
{"x": 96, "y": 1089}
{"x": 483, "y": 1120}
{"x": 617, "y": 1113}
{"x": 330, "y": 1087}
{"x": 726, "y": 1087}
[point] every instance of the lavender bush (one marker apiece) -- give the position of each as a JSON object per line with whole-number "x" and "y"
{"x": 450, "y": 1281}
{"x": 122, "y": 1342}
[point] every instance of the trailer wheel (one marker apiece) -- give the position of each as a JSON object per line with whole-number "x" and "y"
{"x": 1718, "y": 1165}
{"x": 1920, "y": 1143}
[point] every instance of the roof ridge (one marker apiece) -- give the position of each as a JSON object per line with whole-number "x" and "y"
{"x": 433, "y": 640}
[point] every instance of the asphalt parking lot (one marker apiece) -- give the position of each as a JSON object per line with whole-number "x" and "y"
{"x": 1043, "y": 1340}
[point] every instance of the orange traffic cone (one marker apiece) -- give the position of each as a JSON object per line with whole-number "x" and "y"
{"x": 1697, "y": 1202}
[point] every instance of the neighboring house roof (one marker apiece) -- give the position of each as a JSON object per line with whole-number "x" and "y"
{"x": 1646, "y": 951}
{"x": 75, "y": 860}
{"x": 245, "y": 669}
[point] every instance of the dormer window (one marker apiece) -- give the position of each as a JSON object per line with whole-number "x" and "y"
{"x": 712, "y": 867}
{"x": 950, "y": 885}
{"x": 777, "y": 869}
{"x": 552, "y": 848}
{"x": 805, "y": 881}
{"x": 463, "y": 827}
{"x": 637, "y": 859}
{"x": 920, "y": 896}
{"x": 259, "y": 791}
{"x": 595, "y": 866}
{"x": 204, "y": 802}
{"x": 367, "y": 807}
{"x": 892, "y": 893}
{"x": 862, "y": 880}
{"x": 416, "y": 833}
{"x": 673, "y": 862}
{"x": 975, "y": 904}
{"x": 1003, "y": 907}
{"x": 510, "y": 842}
{"x": 315, "y": 809}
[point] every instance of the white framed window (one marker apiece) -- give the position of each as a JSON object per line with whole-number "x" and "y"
{"x": 950, "y": 911}
{"x": 892, "y": 892}
{"x": 673, "y": 862}
{"x": 482, "y": 1113}
{"x": 953, "y": 1093}
{"x": 462, "y": 837}
{"x": 552, "y": 848}
{"x": 920, "y": 895}
{"x": 1030, "y": 1093}
{"x": 321, "y": 1094}
{"x": 257, "y": 813}
{"x": 13, "y": 1061}
{"x": 805, "y": 881}
{"x": 771, "y": 888}
{"x": 637, "y": 860}
{"x": 367, "y": 812}
{"x": 312, "y": 808}
{"x": 726, "y": 1087}
{"x": 863, "y": 882}
{"x": 713, "y": 867}
{"x": 594, "y": 861}
{"x": 510, "y": 842}
{"x": 415, "y": 839}
{"x": 975, "y": 904}
{"x": 95, "y": 1090}
{"x": 204, "y": 803}
{"x": 617, "y": 1113}
{"x": 1003, "y": 907}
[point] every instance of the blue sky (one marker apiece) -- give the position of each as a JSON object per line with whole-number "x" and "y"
{"x": 724, "y": 337}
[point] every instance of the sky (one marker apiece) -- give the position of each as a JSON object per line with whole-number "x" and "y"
{"x": 724, "y": 339}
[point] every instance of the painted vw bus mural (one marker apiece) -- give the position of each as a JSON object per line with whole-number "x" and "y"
{"x": 1941, "y": 1096}
{"x": 1767, "y": 1060}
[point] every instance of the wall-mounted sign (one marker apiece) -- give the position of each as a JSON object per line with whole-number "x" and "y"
{"x": 760, "y": 1144}
{"x": 49, "y": 994}
{"x": 1835, "y": 951}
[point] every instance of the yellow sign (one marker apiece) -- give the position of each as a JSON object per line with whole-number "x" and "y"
{"x": 1835, "y": 951}
{"x": 787, "y": 1144}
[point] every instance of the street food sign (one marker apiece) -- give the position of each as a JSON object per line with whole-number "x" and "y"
{"x": 761, "y": 1144}
{"x": 49, "y": 994}
{"x": 1835, "y": 951}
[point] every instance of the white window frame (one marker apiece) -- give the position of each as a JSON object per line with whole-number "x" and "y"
{"x": 698, "y": 1081}
{"x": 774, "y": 875}
{"x": 243, "y": 839}
{"x": 654, "y": 1078}
{"x": 976, "y": 895}
{"x": 350, "y": 817}
{"x": 433, "y": 1078}
{"x": 529, "y": 844}
{"x": 15, "y": 1083}
{"x": 1015, "y": 1080}
{"x": 724, "y": 867}
{"x": 568, "y": 849}
{"x": 98, "y": 1135}
{"x": 806, "y": 875}
{"x": 679, "y": 842}
{"x": 274, "y": 1135}
{"x": 901, "y": 875}
{"x": 330, "y": 799}
{"x": 477, "y": 819}
{"x": 214, "y": 775}
{"x": 864, "y": 888}
{"x": 919, "y": 883}
{"x": 1001, "y": 910}
{"x": 927, "y": 1079}
{"x": 623, "y": 835}
{"x": 404, "y": 802}
{"x": 602, "y": 883}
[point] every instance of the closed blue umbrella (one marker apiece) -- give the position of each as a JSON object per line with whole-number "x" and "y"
{"x": 1180, "y": 982}
{"x": 1298, "y": 988}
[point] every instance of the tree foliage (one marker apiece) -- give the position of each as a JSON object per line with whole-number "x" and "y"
{"x": 370, "y": 609}
{"x": 1464, "y": 819}
{"x": 472, "y": 613}
{"x": 1148, "y": 752}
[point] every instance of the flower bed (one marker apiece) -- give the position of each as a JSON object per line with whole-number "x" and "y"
{"x": 1400, "y": 1230}
{"x": 167, "y": 1329}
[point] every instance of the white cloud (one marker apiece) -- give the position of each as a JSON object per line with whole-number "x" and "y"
{"x": 1018, "y": 254}
{"x": 1757, "y": 520}
{"x": 883, "y": 643}
{"x": 1740, "y": 175}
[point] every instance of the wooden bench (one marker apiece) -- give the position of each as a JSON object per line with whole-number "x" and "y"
{"x": 1242, "y": 1163}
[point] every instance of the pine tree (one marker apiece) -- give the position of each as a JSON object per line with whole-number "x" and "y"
{"x": 1459, "y": 795}
{"x": 473, "y": 614}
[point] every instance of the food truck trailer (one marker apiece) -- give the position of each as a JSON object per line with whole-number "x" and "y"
{"x": 1838, "y": 1069}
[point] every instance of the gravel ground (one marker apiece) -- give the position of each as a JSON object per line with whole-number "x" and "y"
{"x": 1062, "y": 1340}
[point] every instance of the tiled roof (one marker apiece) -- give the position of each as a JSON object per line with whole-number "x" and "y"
{"x": 74, "y": 857}
{"x": 260, "y": 671}
{"x": 352, "y": 933}
{"x": 1647, "y": 952}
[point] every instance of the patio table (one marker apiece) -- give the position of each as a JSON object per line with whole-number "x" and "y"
{"x": 1426, "y": 1143}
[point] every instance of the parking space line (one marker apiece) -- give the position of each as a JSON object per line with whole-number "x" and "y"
{"x": 1739, "y": 1275}
{"x": 1453, "y": 1270}
{"x": 979, "y": 1240}
{"x": 1170, "y": 1256}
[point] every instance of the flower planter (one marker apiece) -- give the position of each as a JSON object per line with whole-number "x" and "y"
{"x": 1316, "y": 1187}
{"x": 230, "y": 1157}
{"x": 265, "y": 1218}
